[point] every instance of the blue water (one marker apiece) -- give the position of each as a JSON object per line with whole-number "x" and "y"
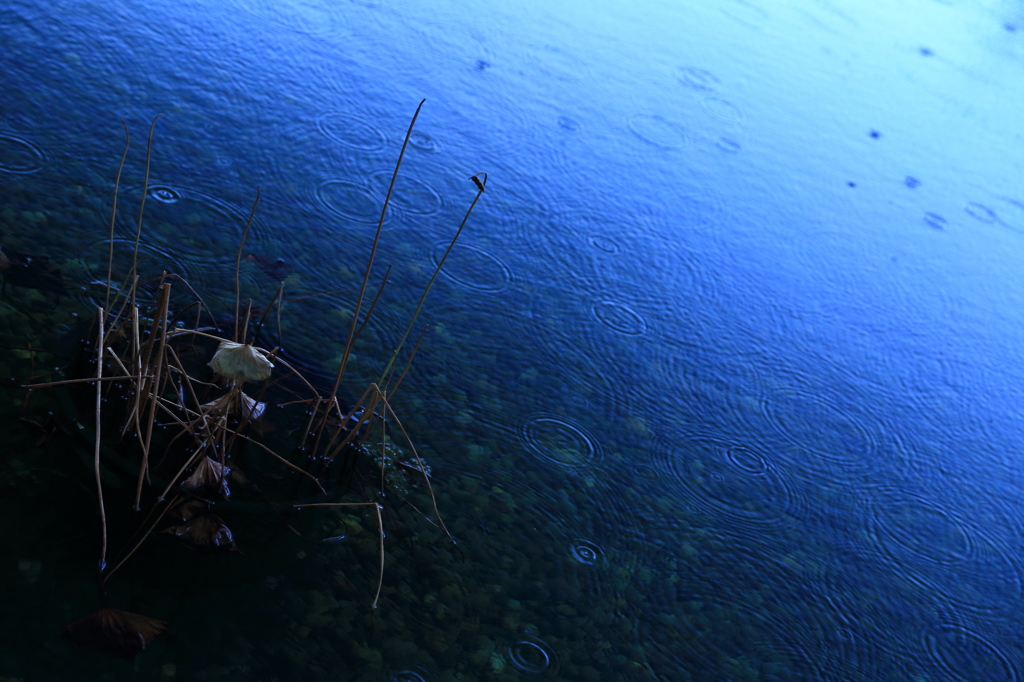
{"x": 723, "y": 380}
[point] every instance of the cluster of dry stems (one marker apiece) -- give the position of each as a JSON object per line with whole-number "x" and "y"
{"x": 139, "y": 344}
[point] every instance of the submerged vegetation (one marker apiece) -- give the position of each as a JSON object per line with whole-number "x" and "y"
{"x": 193, "y": 417}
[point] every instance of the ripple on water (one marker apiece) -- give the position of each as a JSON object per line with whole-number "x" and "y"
{"x": 424, "y": 142}
{"x": 745, "y": 12}
{"x": 304, "y": 17}
{"x": 199, "y": 214}
{"x": 723, "y": 110}
{"x": 893, "y": 622}
{"x": 605, "y": 243}
{"x": 192, "y": 231}
{"x": 586, "y": 552}
{"x": 620, "y": 317}
{"x": 411, "y": 195}
{"x": 1011, "y": 214}
{"x": 558, "y": 63}
{"x": 560, "y": 442}
{"x": 697, "y": 79}
{"x": 19, "y": 156}
{"x": 708, "y": 631}
{"x": 981, "y": 212}
{"x": 350, "y": 200}
{"x": 352, "y": 131}
{"x": 729, "y": 480}
{"x": 966, "y": 654}
{"x": 166, "y": 195}
{"x": 699, "y": 208}
{"x": 729, "y": 146}
{"x": 155, "y": 258}
{"x": 532, "y": 655}
{"x": 837, "y": 439}
{"x": 950, "y": 557}
{"x": 472, "y": 267}
{"x": 657, "y": 131}
{"x": 916, "y": 530}
{"x": 712, "y": 381}
{"x": 568, "y": 124}
{"x": 935, "y": 221}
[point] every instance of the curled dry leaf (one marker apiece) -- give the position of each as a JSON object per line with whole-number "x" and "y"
{"x": 115, "y": 632}
{"x": 209, "y": 479}
{"x": 240, "y": 362}
{"x": 236, "y": 403}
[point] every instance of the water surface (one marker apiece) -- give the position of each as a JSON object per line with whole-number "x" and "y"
{"x": 723, "y": 376}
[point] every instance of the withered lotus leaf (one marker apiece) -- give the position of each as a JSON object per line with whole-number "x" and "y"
{"x": 209, "y": 478}
{"x": 205, "y": 532}
{"x": 190, "y": 509}
{"x": 240, "y": 362}
{"x": 115, "y": 632}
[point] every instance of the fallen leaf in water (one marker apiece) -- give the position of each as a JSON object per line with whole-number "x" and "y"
{"x": 202, "y": 529}
{"x": 115, "y": 632}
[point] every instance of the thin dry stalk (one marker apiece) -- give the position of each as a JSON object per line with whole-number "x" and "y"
{"x": 481, "y": 184}
{"x": 284, "y": 461}
{"x": 96, "y": 452}
{"x": 113, "y": 212}
{"x": 159, "y": 327}
{"x": 276, "y": 300}
{"x": 141, "y": 540}
{"x": 86, "y": 380}
{"x": 408, "y": 363}
{"x": 238, "y": 265}
{"x": 373, "y": 254}
{"x": 422, "y": 466}
{"x": 137, "y": 357}
{"x": 373, "y": 305}
{"x": 366, "y": 419}
{"x": 142, "y": 202}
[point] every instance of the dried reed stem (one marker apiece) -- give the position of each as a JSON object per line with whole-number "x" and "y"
{"x": 422, "y": 466}
{"x": 238, "y": 265}
{"x": 142, "y": 203}
{"x": 159, "y": 328}
{"x": 373, "y": 254}
{"x": 96, "y": 452}
{"x": 481, "y": 184}
{"x": 113, "y": 212}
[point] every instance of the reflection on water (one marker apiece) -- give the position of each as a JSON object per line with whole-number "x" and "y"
{"x": 718, "y": 384}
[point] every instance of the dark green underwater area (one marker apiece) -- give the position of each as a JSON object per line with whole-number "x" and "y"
{"x": 720, "y": 382}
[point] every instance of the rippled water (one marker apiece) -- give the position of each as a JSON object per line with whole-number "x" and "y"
{"x": 723, "y": 376}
